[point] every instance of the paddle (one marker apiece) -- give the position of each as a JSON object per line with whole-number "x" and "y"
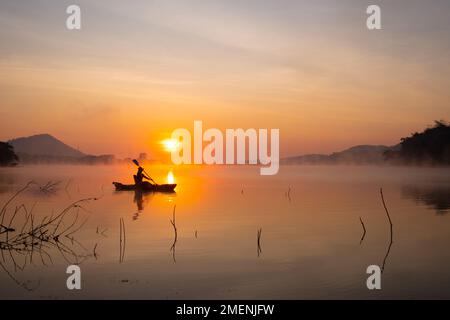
{"x": 137, "y": 163}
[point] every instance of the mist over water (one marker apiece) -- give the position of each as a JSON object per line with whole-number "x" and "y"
{"x": 309, "y": 244}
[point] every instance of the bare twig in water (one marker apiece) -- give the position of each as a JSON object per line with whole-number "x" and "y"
{"x": 258, "y": 240}
{"x": 391, "y": 230}
{"x": 288, "y": 194}
{"x": 386, "y": 255}
{"x": 364, "y": 230}
{"x": 21, "y": 284}
{"x": 50, "y": 187}
{"x": 196, "y": 234}
{"x": 173, "y": 247}
{"x": 102, "y": 233}
{"x": 122, "y": 240}
{"x": 3, "y": 210}
{"x": 36, "y": 235}
{"x": 387, "y": 212}
{"x": 66, "y": 189}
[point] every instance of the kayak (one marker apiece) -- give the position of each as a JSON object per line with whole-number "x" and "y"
{"x": 146, "y": 187}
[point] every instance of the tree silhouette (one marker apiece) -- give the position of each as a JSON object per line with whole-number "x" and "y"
{"x": 7, "y": 154}
{"x": 432, "y": 146}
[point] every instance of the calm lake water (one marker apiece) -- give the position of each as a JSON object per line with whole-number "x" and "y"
{"x": 310, "y": 245}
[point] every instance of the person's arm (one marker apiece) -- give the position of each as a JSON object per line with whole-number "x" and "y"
{"x": 145, "y": 176}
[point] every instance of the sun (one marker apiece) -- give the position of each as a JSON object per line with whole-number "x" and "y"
{"x": 170, "y": 145}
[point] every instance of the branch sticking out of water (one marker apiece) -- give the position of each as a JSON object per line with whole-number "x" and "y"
{"x": 122, "y": 240}
{"x": 364, "y": 230}
{"x": 66, "y": 188}
{"x": 258, "y": 240}
{"x": 33, "y": 236}
{"x": 391, "y": 230}
{"x": 288, "y": 194}
{"x": 94, "y": 252}
{"x": 387, "y": 212}
{"x": 172, "y": 221}
{"x": 50, "y": 187}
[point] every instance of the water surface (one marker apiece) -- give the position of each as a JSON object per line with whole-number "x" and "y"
{"x": 310, "y": 244}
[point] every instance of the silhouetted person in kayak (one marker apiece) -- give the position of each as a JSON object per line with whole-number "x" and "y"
{"x": 140, "y": 176}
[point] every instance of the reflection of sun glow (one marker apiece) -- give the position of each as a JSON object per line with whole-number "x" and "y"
{"x": 170, "y": 178}
{"x": 170, "y": 145}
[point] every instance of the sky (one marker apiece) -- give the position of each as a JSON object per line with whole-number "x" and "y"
{"x": 137, "y": 70}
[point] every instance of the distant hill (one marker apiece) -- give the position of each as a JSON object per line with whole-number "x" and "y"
{"x": 429, "y": 147}
{"x": 363, "y": 154}
{"x": 46, "y": 149}
{"x": 44, "y": 145}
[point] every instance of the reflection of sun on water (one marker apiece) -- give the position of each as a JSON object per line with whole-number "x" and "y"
{"x": 170, "y": 178}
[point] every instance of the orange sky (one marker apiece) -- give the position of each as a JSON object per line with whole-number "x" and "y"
{"x": 137, "y": 70}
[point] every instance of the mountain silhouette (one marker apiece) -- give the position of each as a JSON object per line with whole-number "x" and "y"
{"x": 44, "y": 145}
{"x": 362, "y": 154}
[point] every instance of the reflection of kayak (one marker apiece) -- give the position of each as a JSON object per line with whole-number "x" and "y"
{"x": 146, "y": 187}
